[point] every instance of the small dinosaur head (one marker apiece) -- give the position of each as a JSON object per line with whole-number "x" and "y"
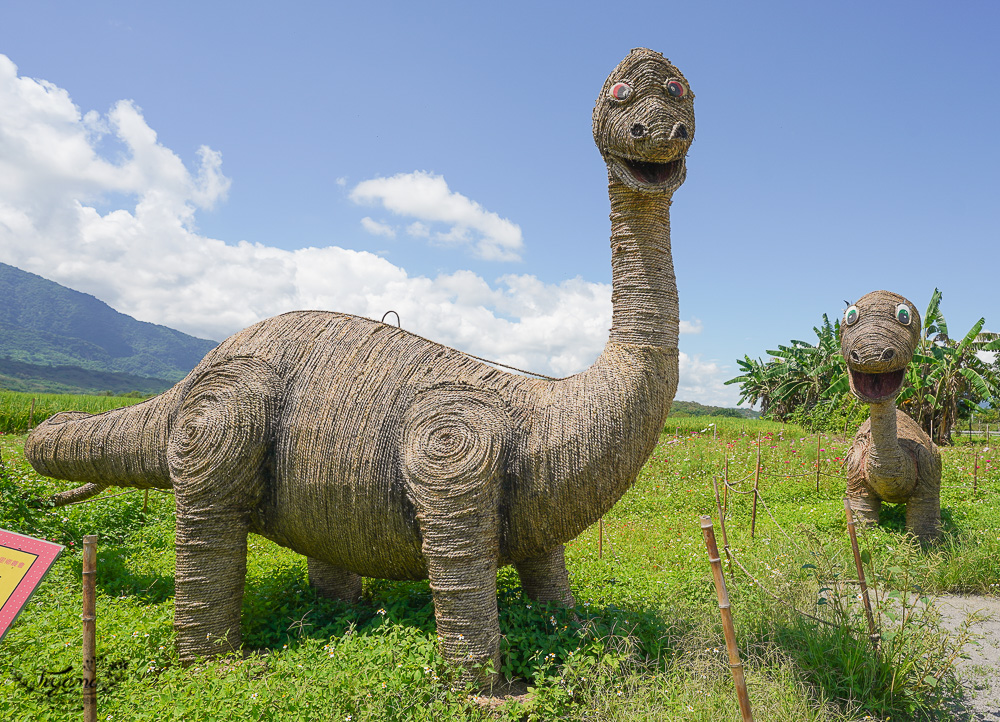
{"x": 644, "y": 122}
{"x": 878, "y": 336}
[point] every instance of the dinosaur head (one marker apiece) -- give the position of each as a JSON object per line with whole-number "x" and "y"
{"x": 878, "y": 336}
{"x": 644, "y": 122}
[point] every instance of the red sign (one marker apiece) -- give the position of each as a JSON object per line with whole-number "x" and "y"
{"x": 23, "y": 562}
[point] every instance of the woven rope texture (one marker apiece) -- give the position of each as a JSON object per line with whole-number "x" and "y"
{"x": 891, "y": 459}
{"x": 378, "y": 453}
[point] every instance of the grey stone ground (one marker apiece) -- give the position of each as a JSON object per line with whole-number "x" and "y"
{"x": 981, "y": 673}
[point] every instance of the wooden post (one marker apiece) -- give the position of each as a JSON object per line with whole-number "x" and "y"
{"x": 819, "y": 452}
{"x": 975, "y": 471}
{"x": 727, "y": 619}
{"x": 725, "y": 488}
{"x": 89, "y": 629}
{"x": 31, "y": 415}
{"x": 600, "y": 538}
{"x": 145, "y": 502}
{"x": 873, "y": 633}
{"x": 756, "y": 481}
{"x": 722, "y": 526}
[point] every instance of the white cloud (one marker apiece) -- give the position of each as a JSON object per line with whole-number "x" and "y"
{"x": 426, "y": 197}
{"x": 145, "y": 257}
{"x": 693, "y": 326}
{"x": 418, "y": 230}
{"x": 378, "y": 229}
{"x": 702, "y": 381}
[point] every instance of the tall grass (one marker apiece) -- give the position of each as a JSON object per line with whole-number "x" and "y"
{"x": 644, "y": 642}
{"x": 16, "y": 413}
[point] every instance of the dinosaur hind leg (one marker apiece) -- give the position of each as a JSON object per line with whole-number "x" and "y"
{"x": 544, "y": 578}
{"x": 217, "y": 453}
{"x": 333, "y": 582}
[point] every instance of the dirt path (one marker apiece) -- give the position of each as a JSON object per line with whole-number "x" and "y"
{"x": 981, "y": 672}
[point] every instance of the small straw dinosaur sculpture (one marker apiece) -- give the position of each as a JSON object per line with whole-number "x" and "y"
{"x": 891, "y": 459}
{"x": 376, "y": 452}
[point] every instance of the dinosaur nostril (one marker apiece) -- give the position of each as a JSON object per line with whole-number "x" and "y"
{"x": 638, "y": 130}
{"x": 681, "y": 131}
{"x": 855, "y": 357}
{"x": 888, "y": 354}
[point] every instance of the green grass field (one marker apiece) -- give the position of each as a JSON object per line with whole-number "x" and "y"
{"x": 645, "y": 642}
{"x": 17, "y": 411}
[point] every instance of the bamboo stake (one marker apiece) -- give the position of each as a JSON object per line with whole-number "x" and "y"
{"x": 727, "y": 619}
{"x": 756, "y": 481}
{"x": 89, "y": 629}
{"x": 722, "y": 527}
{"x": 873, "y": 633}
{"x": 819, "y": 453}
{"x": 725, "y": 488}
{"x": 600, "y": 538}
{"x": 31, "y": 415}
{"x": 975, "y": 471}
{"x": 145, "y": 502}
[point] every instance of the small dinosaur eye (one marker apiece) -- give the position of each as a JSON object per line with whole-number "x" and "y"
{"x": 851, "y": 316}
{"x": 620, "y": 91}
{"x": 903, "y": 314}
{"x": 676, "y": 88}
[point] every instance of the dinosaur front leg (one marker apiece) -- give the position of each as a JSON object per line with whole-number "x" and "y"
{"x": 923, "y": 514}
{"x": 333, "y": 582}
{"x": 866, "y": 507}
{"x": 544, "y": 578}
{"x": 453, "y": 440}
{"x": 865, "y": 502}
{"x": 216, "y": 453}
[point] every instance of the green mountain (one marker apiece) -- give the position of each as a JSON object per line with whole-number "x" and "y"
{"x": 48, "y": 326}
{"x": 681, "y": 409}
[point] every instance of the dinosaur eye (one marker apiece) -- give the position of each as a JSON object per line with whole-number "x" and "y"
{"x": 903, "y": 314}
{"x": 676, "y": 88}
{"x": 620, "y": 91}
{"x": 851, "y": 316}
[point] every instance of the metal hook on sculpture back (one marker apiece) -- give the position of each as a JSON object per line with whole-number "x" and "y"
{"x": 397, "y": 318}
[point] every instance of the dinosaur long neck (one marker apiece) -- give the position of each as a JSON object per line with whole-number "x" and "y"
{"x": 595, "y": 430}
{"x": 644, "y": 289}
{"x": 891, "y": 471}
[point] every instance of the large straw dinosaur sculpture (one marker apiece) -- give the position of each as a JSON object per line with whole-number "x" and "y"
{"x": 891, "y": 459}
{"x": 378, "y": 453}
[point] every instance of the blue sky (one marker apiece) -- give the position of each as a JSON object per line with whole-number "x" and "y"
{"x": 437, "y": 158}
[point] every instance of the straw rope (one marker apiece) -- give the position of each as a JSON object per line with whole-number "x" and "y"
{"x": 375, "y": 452}
{"x": 891, "y": 458}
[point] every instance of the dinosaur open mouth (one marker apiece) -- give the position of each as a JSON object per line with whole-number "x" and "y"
{"x": 653, "y": 173}
{"x": 877, "y": 387}
{"x": 650, "y": 175}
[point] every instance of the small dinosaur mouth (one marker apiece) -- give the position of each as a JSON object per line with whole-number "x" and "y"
{"x": 649, "y": 175}
{"x": 873, "y": 388}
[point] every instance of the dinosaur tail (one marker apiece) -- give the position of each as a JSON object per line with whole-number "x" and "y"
{"x": 122, "y": 447}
